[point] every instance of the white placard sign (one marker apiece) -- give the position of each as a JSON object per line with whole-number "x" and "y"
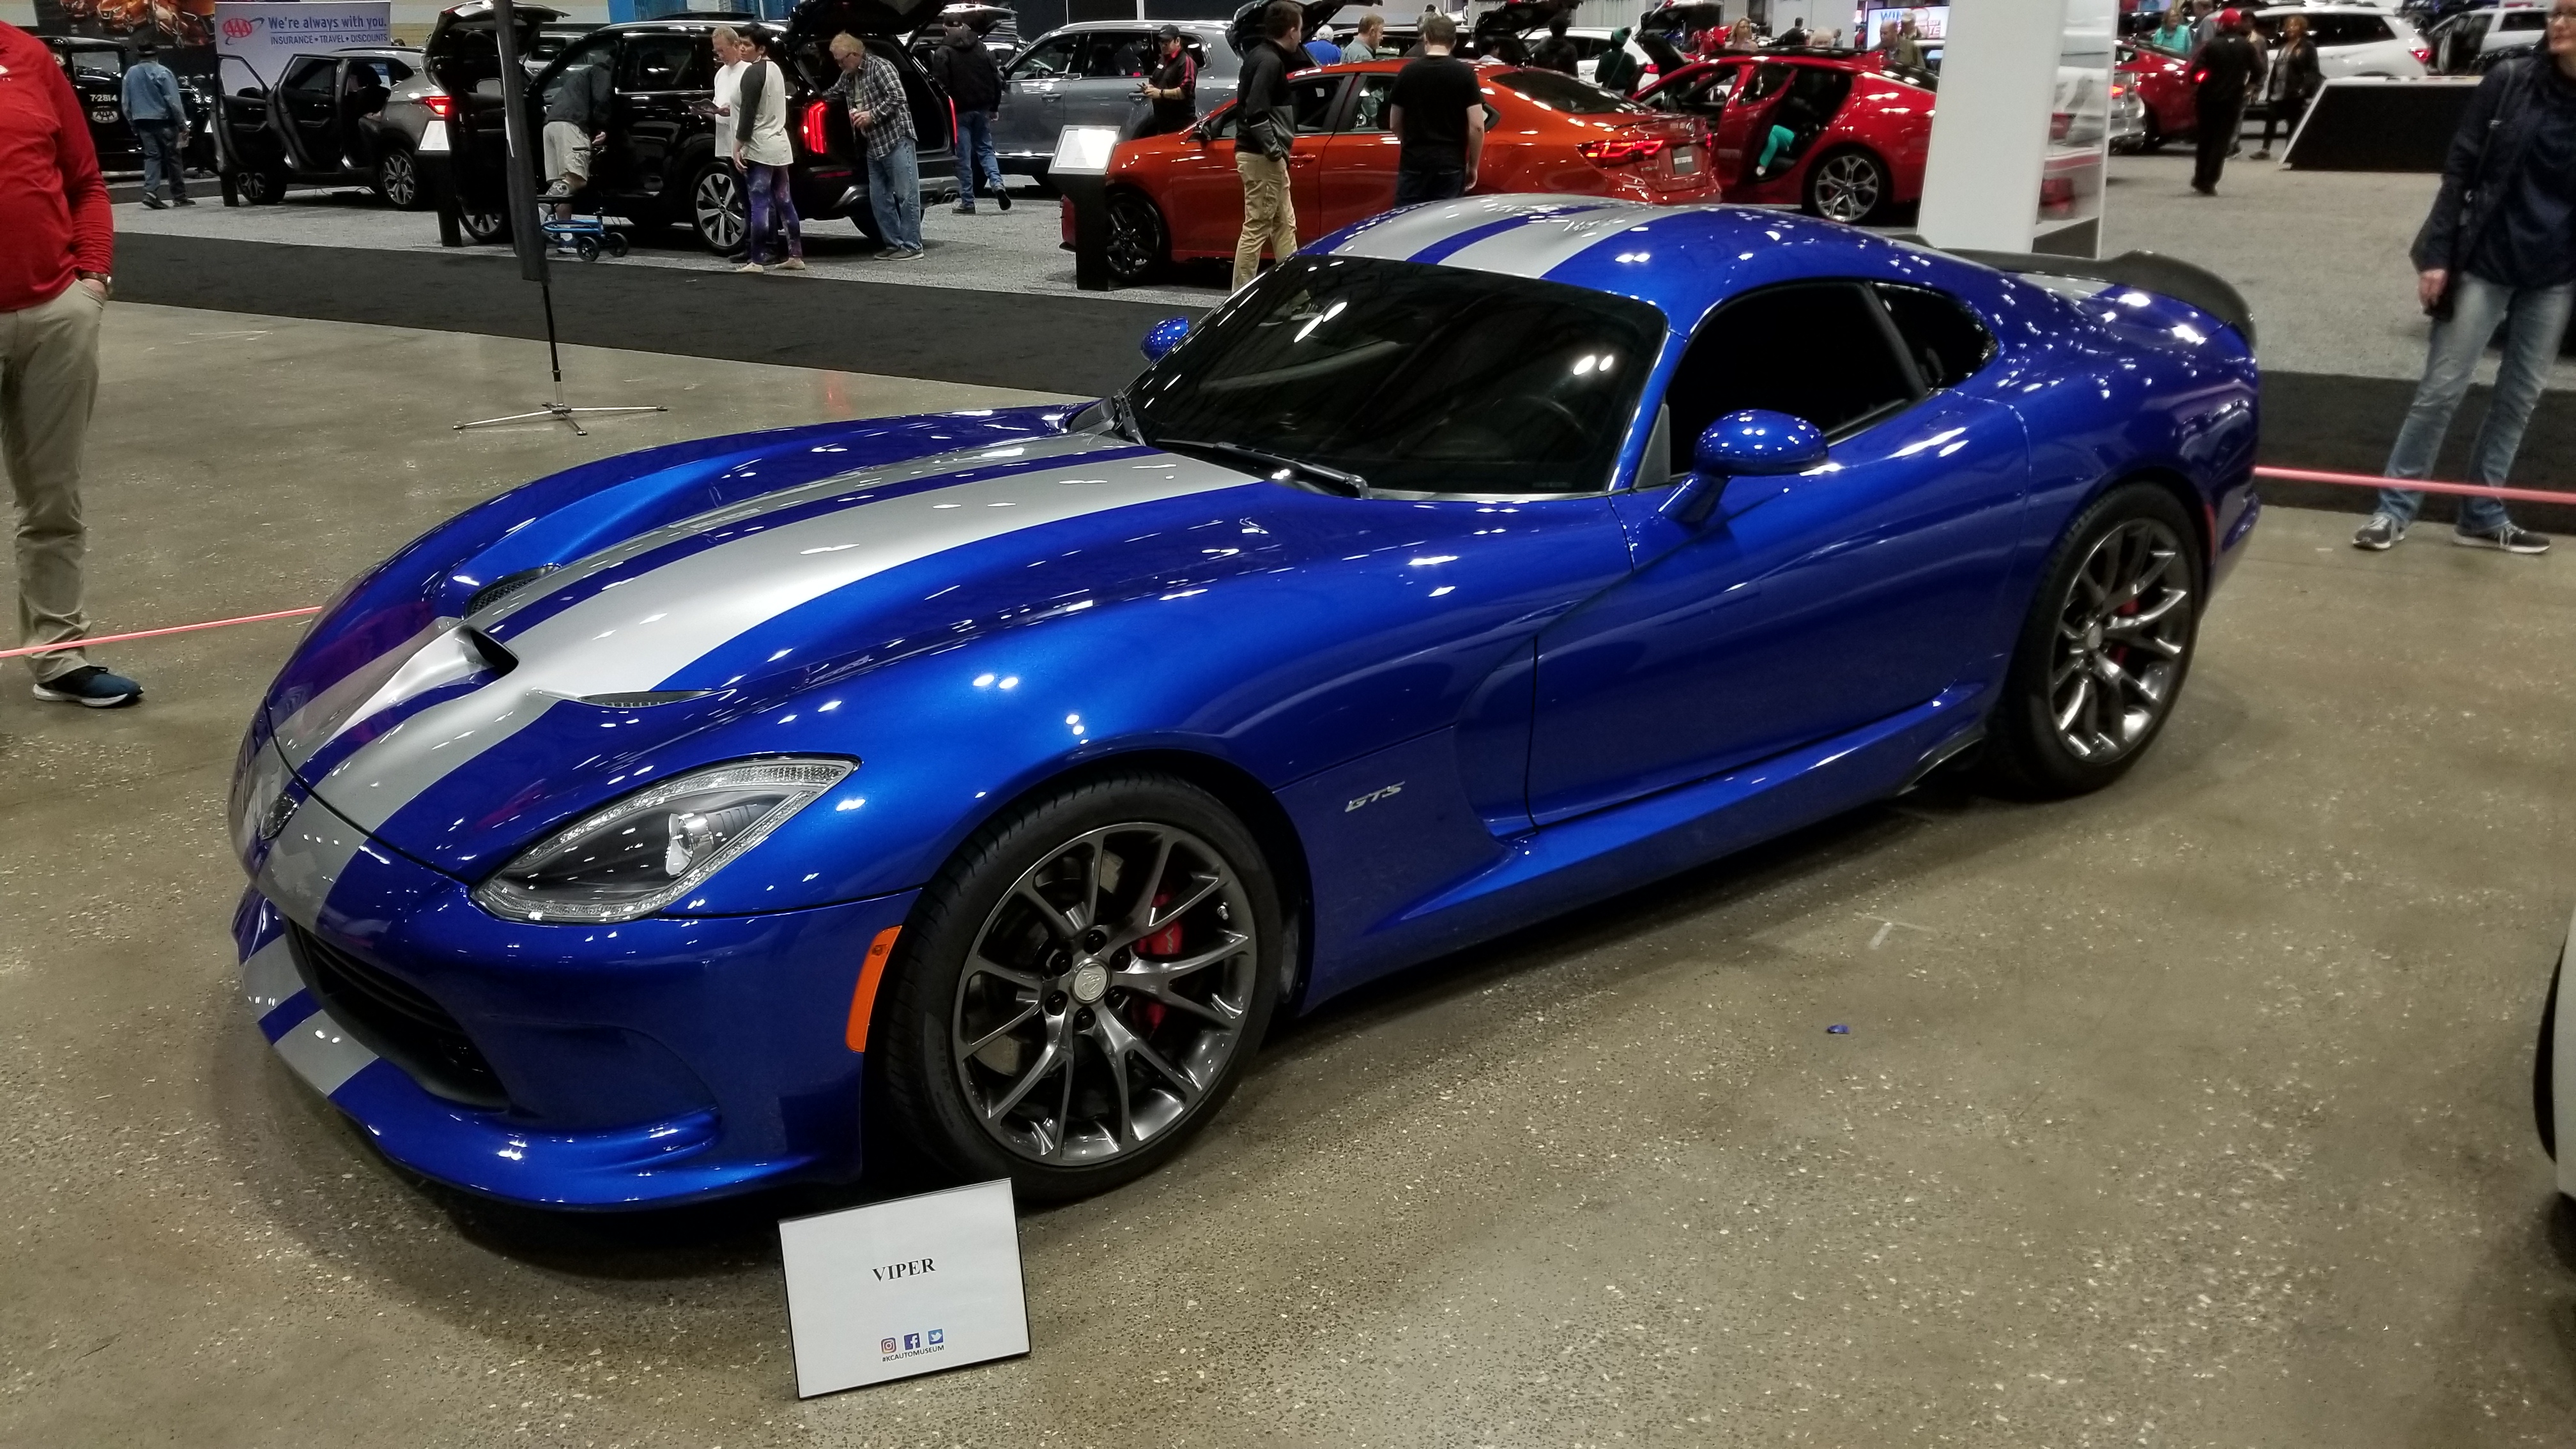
{"x": 263, "y": 36}
{"x": 906, "y": 1287}
{"x": 1084, "y": 150}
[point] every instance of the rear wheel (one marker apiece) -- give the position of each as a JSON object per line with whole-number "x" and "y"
{"x": 398, "y": 180}
{"x": 260, "y": 186}
{"x": 1849, "y": 186}
{"x": 1080, "y": 988}
{"x": 2105, "y": 648}
{"x": 2154, "y": 139}
{"x": 483, "y": 225}
{"x": 716, "y": 207}
{"x": 1139, "y": 244}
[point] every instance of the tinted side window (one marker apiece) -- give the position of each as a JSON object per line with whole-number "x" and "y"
{"x": 1119, "y": 55}
{"x": 1813, "y": 350}
{"x": 1947, "y": 342}
{"x": 1046, "y": 58}
{"x": 1313, "y": 101}
{"x": 660, "y": 63}
{"x": 311, "y": 76}
{"x": 2524, "y": 20}
{"x": 1368, "y": 113}
{"x": 1766, "y": 82}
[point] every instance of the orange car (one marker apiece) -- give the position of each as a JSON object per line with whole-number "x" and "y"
{"x": 1177, "y": 197}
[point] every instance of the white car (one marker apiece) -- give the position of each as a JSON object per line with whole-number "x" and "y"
{"x": 2553, "y": 1075}
{"x": 2513, "y": 25}
{"x": 2353, "y": 40}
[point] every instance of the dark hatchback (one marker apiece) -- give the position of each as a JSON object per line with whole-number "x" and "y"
{"x": 662, "y": 164}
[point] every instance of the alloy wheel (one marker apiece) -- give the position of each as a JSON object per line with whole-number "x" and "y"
{"x": 717, "y": 203}
{"x": 2123, "y": 630}
{"x": 1135, "y": 243}
{"x": 1847, "y": 187}
{"x": 398, "y": 178}
{"x": 1105, "y": 995}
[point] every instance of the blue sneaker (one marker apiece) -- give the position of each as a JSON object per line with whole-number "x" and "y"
{"x": 91, "y": 686}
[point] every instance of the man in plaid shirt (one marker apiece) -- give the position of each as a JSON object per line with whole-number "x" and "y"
{"x": 882, "y": 116}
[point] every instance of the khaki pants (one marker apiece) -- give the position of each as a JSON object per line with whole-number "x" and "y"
{"x": 48, "y": 382}
{"x": 1268, "y": 215}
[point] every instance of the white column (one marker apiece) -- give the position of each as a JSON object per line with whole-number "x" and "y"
{"x": 1990, "y": 126}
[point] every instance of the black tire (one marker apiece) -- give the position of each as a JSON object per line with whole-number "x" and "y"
{"x": 2544, "y": 1097}
{"x": 398, "y": 181}
{"x": 618, "y": 246}
{"x": 261, "y": 187}
{"x": 716, "y": 207}
{"x": 864, "y": 217}
{"x": 1849, "y": 185}
{"x": 2154, "y": 139}
{"x": 1140, "y": 245}
{"x": 926, "y": 1089}
{"x": 2110, "y": 669}
{"x": 482, "y": 226}
{"x": 586, "y": 247}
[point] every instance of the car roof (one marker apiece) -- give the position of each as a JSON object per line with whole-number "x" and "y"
{"x": 1195, "y": 27}
{"x": 1682, "y": 259}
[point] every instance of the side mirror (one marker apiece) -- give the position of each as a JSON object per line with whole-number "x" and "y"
{"x": 1163, "y": 336}
{"x": 1756, "y": 442}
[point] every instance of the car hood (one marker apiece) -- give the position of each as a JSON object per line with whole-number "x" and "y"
{"x": 1244, "y": 32}
{"x": 669, "y": 647}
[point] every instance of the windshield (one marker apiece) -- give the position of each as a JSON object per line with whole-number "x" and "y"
{"x": 1415, "y": 378}
{"x": 1563, "y": 93}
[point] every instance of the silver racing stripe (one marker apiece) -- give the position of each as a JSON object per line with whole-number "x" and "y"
{"x": 268, "y": 976}
{"x": 337, "y": 707}
{"x": 633, "y": 635}
{"x": 306, "y": 859}
{"x": 323, "y": 1053}
{"x": 1542, "y": 244}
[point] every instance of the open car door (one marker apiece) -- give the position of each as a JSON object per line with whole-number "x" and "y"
{"x": 464, "y": 56}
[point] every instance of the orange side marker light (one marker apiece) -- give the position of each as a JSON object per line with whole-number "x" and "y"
{"x": 863, "y": 1002}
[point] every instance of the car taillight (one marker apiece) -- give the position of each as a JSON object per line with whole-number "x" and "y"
{"x": 1622, "y": 150}
{"x": 439, "y": 104}
{"x": 818, "y": 135}
{"x": 2423, "y": 54}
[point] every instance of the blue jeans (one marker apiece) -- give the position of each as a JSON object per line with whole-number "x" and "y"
{"x": 773, "y": 230}
{"x": 894, "y": 195}
{"x": 161, "y": 164}
{"x": 975, "y": 156}
{"x": 2534, "y": 319}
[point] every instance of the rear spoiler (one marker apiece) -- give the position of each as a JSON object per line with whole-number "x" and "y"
{"x": 2146, "y": 271}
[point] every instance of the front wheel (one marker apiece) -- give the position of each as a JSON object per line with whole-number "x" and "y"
{"x": 1139, "y": 245}
{"x": 259, "y": 186}
{"x": 1080, "y": 987}
{"x": 1849, "y": 186}
{"x": 483, "y": 225}
{"x": 716, "y": 207}
{"x": 2105, "y": 648}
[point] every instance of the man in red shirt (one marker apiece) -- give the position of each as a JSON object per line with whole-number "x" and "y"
{"x": 55, "y": 244}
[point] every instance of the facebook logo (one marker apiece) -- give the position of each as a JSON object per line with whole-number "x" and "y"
{"x": 911, "y": 1341}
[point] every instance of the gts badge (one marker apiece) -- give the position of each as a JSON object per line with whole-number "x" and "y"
{"x": 1375, "y": 796}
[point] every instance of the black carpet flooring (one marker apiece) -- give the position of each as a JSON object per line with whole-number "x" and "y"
{"x": 1076, "y": 345}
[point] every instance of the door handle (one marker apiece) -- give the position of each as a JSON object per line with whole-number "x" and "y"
{"x": 1295, "y": 159}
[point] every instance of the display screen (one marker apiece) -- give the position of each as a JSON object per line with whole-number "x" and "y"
{"x": 1408, "y": 377}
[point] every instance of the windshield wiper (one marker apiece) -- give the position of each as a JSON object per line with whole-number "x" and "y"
{"x": 1350, "y": 483}
{"x": 1122, "y": 418}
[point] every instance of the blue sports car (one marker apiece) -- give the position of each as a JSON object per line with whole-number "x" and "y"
{"x": 993, "y": 779}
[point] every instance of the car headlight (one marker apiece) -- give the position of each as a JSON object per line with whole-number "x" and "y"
{"x": 648, "y": 850}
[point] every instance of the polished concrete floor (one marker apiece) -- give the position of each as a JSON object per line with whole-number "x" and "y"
{"x": 2193, "y": 1113}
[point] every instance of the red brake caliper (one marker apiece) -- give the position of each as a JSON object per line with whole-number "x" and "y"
{"x": 1164, "y": 943}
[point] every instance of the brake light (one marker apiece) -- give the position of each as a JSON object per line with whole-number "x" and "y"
{"x": 1622, "y": 150}
{"x": 818, "y": 136}
{"x": 439, "y": 104}
{"x": 2423, "y": 54}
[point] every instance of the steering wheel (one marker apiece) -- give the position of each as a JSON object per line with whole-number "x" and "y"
{"x": 1565, "y": 417}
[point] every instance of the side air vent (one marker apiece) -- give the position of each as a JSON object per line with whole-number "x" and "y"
{"x": 646, "y": 700}
{"x": 504, "y": 586}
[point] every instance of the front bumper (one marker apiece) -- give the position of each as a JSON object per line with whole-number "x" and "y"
{"x": 636, "y": 1065}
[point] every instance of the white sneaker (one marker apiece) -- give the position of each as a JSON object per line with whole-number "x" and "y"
{"x": 792, "y": 264}
{"x": 751, "y": 267}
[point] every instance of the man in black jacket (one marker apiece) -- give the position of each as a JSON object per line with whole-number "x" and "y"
{"x": 2498, "y": 250}
{"x": 1266, "y": 128}
{"x": 974, "y": 85}
{"x": 2222, "y": 70}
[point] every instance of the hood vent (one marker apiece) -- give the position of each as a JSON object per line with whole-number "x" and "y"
{"x": 645, "y": 700}
{"x": 504, "y": 586}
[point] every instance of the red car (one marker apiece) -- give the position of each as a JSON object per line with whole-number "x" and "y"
{"x": 2163, "y": 83}
{"x": 1178, "y": 198}
{"x": 1834, "y": 131}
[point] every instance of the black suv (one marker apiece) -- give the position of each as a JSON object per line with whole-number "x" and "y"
{"x": 661, "y": 164}
{"x": 97, "y": 70}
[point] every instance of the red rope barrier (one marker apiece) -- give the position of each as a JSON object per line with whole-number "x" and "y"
{"x": 2364, "y": 480}
{"x": 156, "y": 633}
